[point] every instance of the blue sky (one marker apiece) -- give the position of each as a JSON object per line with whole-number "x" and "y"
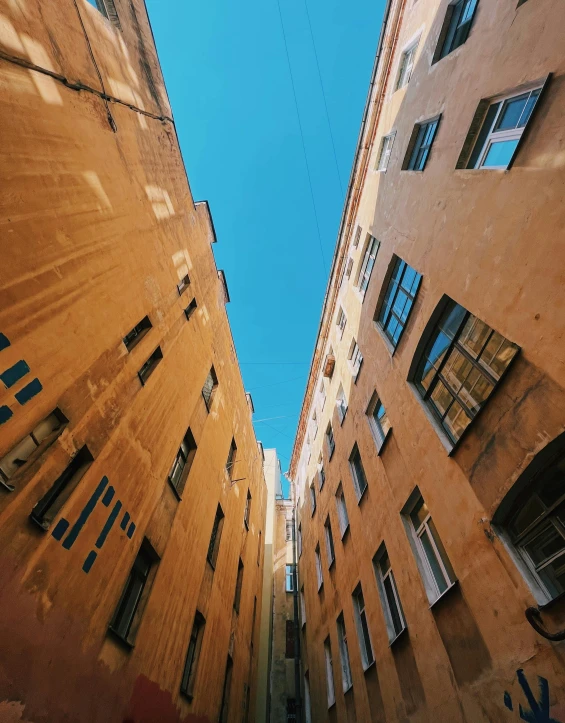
{"x": 228, "y": 80}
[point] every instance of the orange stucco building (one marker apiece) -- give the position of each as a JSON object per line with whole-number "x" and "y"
{"x": 430, "y": 458}
{"x": 132, "y": 497}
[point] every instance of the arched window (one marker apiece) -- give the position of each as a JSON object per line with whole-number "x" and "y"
{"x": 531, "y": 520}
{"x": 459, "y": 361}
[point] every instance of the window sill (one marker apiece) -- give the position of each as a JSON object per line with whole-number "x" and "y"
{"x": 362, "y": 494}
{"x": 175, "y": 491}
{"x": 331, "y": 705}
{"x": 123, "y": 642}
{"x": 548, "y": 605}
{"x": 344, "y": 533}
{"x": 369, "y": 666}
{"x": 387, "y": 342}
{"x": 398, "y": 637}
{"x": 444, "y": 594}
{"x": 381, "y": 446}
{"x": 320, "y": 586}
{"x": 331, "y": 564}
{"x": 187, "y": 696}
{"x": 346, "y": 690}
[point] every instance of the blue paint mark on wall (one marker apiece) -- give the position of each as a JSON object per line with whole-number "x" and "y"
{"x": 5, "y": 413}
{"x": 62, "y": 525}
{"x": 85, "y": 514}
{"x": 109, "y": 524}
{"x": 125, "y": 520}
{"x": 28, "y": 392}
{"x": 60, "y": 528}
{"x": 4, "y": 342}
{"x": 108, "y": 496}
{"x": 89, "y": 562}
{"x": 538, "y": 710}
{"x": 13, "y": 375}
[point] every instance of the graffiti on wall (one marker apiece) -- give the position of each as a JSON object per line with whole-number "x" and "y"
{"x": 537, "y": 710}
{"x": 104, "y": 493}
{"x": 11, "y": 376}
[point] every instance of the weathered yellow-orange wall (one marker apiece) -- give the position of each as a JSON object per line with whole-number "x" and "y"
{"x": 97, "y": 227}
{"x": 494, "y": 242}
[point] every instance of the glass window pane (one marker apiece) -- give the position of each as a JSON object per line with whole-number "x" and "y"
{"x": 384, "y": 563}
{"x": 46, "y": 427}
{"x": 529, "y": 108}
{"x": 399, "y": 303}
{"x": 553, "y": 576}
{"x": 498, "y": 354}
{"x": 474, "y": 336}
{"x": 441, "y": 548}
{"x": 441, "y": 398}
{"x": 456, "y": 421}
{"x": 366, "y": 638}
{"x": 398, "y": 269}
{"x": 500, "y": 153}
{"x": 393, "y": 608}
{"x": 396, "y": 335}
{"x": 18, "y": 456}
{"x": 391, "y": 327}
{"x": 437, "y": 350}
{"x": 426, "y": 373}
{"x": 476, "y": 390}
{"x": 456, "y": 370}
{"x": 531, "y": 510}
{"x": 408, "y": 278}
{"x": 545, "y": 545}
{"x": 433, "y": 562}
{"x": 452, "y": 319}
{"x": 419, "y": 513}
{"x": 554, "y": 483}
{"x": 511, "y": 112}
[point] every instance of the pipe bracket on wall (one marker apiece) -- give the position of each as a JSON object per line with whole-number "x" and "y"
{"x": 533, "y": 616}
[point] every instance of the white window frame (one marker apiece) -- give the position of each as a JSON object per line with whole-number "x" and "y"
{"x": 406, "y": 65}
{"x": 392, "y": 634}
{"x": 359, "y": 614}
{"x": 289, "y": 587}
{"x": 358, "y": 491}
{"x": 329, "y": 672}
{"x": 428, "y": 576}
{"x": 341, "y": 404}
{"x": 341, "y": 510}
{"x": 369, "y": 257}
{"x": 346, "y": 679}
{"x": 341, "y": 322}
{"x": 319, "y": 573}
{"x": 357, "y": 236}
{"x": 385, "y": 151}
{"x": 379, "y": 435}
{"x": 330, "y": 440}
{"x": 355, "y": 359}
{"x": 322, "y": 393}
{"x": 512, "y": 134}
{"x": 330, "y": 547}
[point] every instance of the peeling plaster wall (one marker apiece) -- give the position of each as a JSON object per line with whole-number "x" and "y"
{"x": 494, "y": 242}
{"x": 96, "y": 230}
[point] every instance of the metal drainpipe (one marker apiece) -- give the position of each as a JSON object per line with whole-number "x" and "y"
{"x": 297, "y": 677}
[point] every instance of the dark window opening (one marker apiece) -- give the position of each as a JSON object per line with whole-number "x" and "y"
{"x": 289, "y": 653}
{"x": 224, "y": 707}
{"x": 231, "y": 460}
{"x": 190, "y": 309}
{"x": 133, "y": 337}
{"x": 420, "y": 145}
{"x": 183, "y": 462}
{"x": 247, "y": 512}
{"x": 150, "y": 365}
{"x": 209, "y": 388}
{"x": 456, "y": 27}
{"x": 214, "y": 546}
{"x": 238, "y": 586}
{"x": 192, "y": 656}
{"x": 31, "y": 446}
{"x": 357, "y": 471}
{"x": 51, "y": 503}
{"x": 183, "y": 284}
{"x": 132, "y": 601}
